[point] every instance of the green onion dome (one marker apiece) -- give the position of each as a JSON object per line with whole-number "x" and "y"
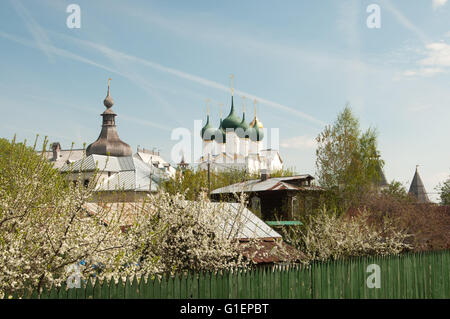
{"x": 245, "y": 128}
{"x": 232, "y": 121}
{"x": 258, "y": 127}
{"x": 221, "y": 131}
{"x": 208, "y": 132}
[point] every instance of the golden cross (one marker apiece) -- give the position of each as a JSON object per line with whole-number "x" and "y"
{"x": 207, "y": 106}
{"x": 243, "y": 97}
{"x": 109, "y": 80}
{"x": 232, "y": 82}
{"x": 255, "y": 107}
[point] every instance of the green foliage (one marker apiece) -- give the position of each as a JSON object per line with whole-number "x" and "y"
{"x": 444, "y": 192}
{"x": 193, "y": 183}
{"x": 397, "y": 190}
{"x": 18, "y": 163}
{"x": 347, "y": 160}
{"x": 48, "y": 225}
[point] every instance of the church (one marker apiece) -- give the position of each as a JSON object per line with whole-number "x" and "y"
{"x": 111, "y": 162}
{"x": 237, "y": 145}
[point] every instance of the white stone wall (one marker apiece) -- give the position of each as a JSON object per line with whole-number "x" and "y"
{"x": 244, "y": 146}
{"x": 232, "y": 143}
{"x": 208, "y": 148}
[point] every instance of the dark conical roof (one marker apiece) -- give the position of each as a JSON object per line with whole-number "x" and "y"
{"x": 380, "y": 179}
{"x": 418, "y": 190}
{"x": 108, "y": 142}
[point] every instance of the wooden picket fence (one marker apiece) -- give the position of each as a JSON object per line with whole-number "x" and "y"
{"x": 417, "y": 275}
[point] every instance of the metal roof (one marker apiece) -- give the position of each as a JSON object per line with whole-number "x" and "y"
{"x": 92, "y": 162}
{"x": 242, "y": 224}
{"x": 64, "y": 157}
{"x": 128, "y": 172}
{"x": 108, "y": 141}
{"x": 270, "y": 184}
{"x": 237, "y": 224}
{"x": 134, "y": 175}
{"x": 417, "y": 189}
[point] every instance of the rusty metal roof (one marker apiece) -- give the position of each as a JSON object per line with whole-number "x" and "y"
{"x": 270, "y": 250}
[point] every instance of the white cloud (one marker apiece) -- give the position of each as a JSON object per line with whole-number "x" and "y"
{"x": 436, "y": 60}
{"x": 423, "y": 72}
{"x": 299, "y": 142}
{"x": 438, "y": 3}
{"x": 438, "y": 54}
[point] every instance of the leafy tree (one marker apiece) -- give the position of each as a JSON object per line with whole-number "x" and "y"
{"x": 444, "y": 192}
{"x": 396, "y": 190}
{"x": 50, "y": 232}
{"x": 45, "y": 229}
{"x": 347, "y": 160}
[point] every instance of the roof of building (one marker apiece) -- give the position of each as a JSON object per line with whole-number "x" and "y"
{"x": 243, "y": 224}
{"x": 232, "y": 121}
{"x": 64, "y": 157}
{"x": 270, "y": 184}
{"x": 129, "y": 173}
{"x": 109, "y": 142}
{"x": 238, "y": 224}
{"x": 417, "y": 189}
{"x": 380, "y": 179}
{"x": 208, "y": 132}
{"x": 142, "y": 178}
{"x": 257, "y": 133}
{"x": 270, "y": 250}
{"x": 244, "y": 130}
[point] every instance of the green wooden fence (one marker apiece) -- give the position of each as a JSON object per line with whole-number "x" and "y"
{"x": 419, "y": 275}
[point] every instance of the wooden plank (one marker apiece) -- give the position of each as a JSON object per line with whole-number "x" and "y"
{"x": 89, "y": 290}
{"x": 97, "y": 289}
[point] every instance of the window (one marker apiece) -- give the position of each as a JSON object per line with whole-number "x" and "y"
{"x": 256, "y": 204}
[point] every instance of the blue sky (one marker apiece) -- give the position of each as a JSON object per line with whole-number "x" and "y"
{"x": 302, "y": 60}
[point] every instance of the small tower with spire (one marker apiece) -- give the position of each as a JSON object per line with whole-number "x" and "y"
{"x": 182, "y": 165}
{"x": 108, "y": 142}
{"x": 417, "y": 189}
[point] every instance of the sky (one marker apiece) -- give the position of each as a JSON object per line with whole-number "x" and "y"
{"x": 302, "y": 60}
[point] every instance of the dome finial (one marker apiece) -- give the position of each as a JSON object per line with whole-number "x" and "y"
{"x": 108, "y": 101}
{"x": 243, "y": 107}
{"x": 207, "y": 106}
{"x": 255, "y": 107}
{"x": 232, "y": 84}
